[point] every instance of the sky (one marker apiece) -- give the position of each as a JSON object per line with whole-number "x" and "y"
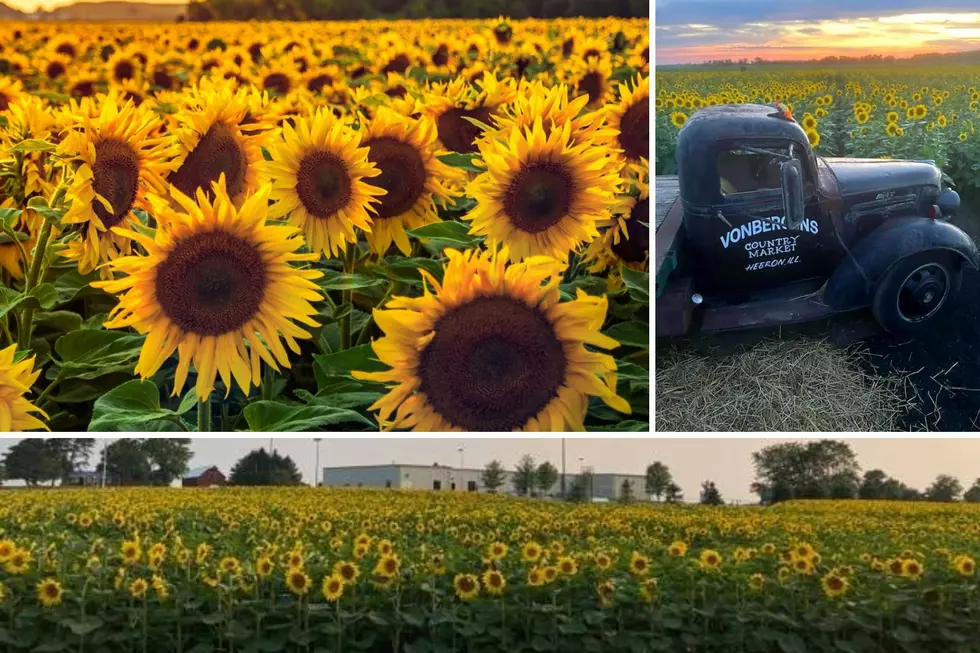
{"x": 691, "y": 460}
{"x": 692, "y": 31}
{"x": 48, "y": 5}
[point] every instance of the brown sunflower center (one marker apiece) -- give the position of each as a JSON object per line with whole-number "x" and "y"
{"x": 567, "y": 47}
{"x": 211, "y": 283}
{"x": 66, "y": 49}
{"x": 459, "y": 134}
{"x": 539, "y": 196}
{"x": 634, "y": 248}
{"x": 163, "y": 79}
{"x": 402, "y": 174}
{"x": 835, "y": 583}
{"x": 276, "y": 82}
{"x": 465, "y": 585}
{"x": 398, "y": 64}
{"x": 441, "y": 56}
{"x": 592, "y": 84}
{"x": 115, "y": 176}
{"x": 317, "y": 83}
{"x": 52, "y": 590}
{"x": 323, "y": 183}
{"x": 217, "y": 152}
{"x": 124, "y": 70}
{"x": 493, "y": 364}
{"x": 634, "y": 130}
{"x": 396, "y": 91}
{"x": 4, "y": 102}
{"x": 55, "y": 69}
{"x": 83, "y": 89}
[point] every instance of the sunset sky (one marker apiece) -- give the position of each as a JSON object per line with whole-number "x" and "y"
{"x": 691, "y": 31}
{"x": 728, "y": 462}
{"x": 47, "y": 5}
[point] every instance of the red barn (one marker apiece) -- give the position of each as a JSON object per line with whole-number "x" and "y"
{"x": 204, "y": 477}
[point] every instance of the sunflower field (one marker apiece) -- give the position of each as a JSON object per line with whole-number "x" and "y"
{"x": 365, "y": 570}
{"x": 909, "y": 112}
{"x": 290, "y": 226}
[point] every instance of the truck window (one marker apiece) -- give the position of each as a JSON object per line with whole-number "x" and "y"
{"x": 741, "y": 171}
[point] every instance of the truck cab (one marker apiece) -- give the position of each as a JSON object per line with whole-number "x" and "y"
{"x": 757, "y": 230}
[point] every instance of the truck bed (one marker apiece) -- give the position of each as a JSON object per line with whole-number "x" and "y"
{"x": 668, "y": 223}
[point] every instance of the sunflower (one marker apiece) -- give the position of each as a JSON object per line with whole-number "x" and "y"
{"x": 531, "y": 552}
{"x": 466, "y": 586}
{"x": 964, "y": 565}
{"x": 320, "y": 175}
{"x": 16, "y": 379}
{"x": 11, "y": 90}
{"x": 54, "y": 67}
{"x": 493, "y": 349}
{"x": 298, "y": 582}
{"x": 49, "y": 592}
{"x": 405, "y": 152}
{"x": 813, "y": 136}
{"x": 911, "y": 568}
{"x": 124, "y": 66}
{"x": 214, "y": 276}
{"x": 678, "y": 119}
{"x": 388, "y": 566}
{"x": 627, "y": 241}
{"x": 131, "y": 551}
{"x": 567, "y": 566}
{"x": 639, "y": 564}
{"x": 278, "y": 78}
{"x": 677, "y": 549}
{"x": 497, "y": 551}
{"x": 606, "y": 592}
{"x": 542, "y": 195}
{"x": 494, "y": 582}
{"x": 593, "y": 78}
{"x": 138, "y": 587}
{"x": 332, "y": 588}
{"x": 756, "y": 582}
{"x": 212, "y": 141}
{"x": 710, "y": 560}
{"x": 347, "y": 571}
{"x": 631, "y": 118}
{"x": 18, "y": 562}
{"x": 454, "y": 104}
{"x": 834, "y": 585}
{"x": 648, "y": 590}
{"x": 119, "y": 165}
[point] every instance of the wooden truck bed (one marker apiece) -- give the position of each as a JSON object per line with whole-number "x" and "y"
{"x": 668, "y": 228}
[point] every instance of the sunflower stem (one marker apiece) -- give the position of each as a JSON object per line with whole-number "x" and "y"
{"x": 27, "y": 320}
{"x": 348, "y": 296}
{"x": 204, "y": 415}
{"x": 268, "y": 383}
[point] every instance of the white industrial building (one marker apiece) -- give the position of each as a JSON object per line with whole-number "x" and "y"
{"x": 453, "y": 479}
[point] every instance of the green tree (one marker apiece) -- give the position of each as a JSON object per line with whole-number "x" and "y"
{"x": 582, "y": 487}
{"x": 492, "y": 475}
{"x": 710, "y": 495}
{"x": 973, "y": 494}
{"x": 146, "y": 461}
{"x": 35, "y": 460}
{"x": 873, "y": 484}
{"x": 259, "y": 467}
{"x": 804, "y": 470}
{"x": 168, "y": 458}
{"x": 126, "y": 461}
{"x": 673, "y": 493}
{"x": 658, "y": 478}
{"x": 944, "y": 488}
{"x": 545, "y": 477}
{"x": 524, "y": 475}
{"x": 626, "y": 492}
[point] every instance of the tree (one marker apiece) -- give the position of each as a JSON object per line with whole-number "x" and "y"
{"x": 804, "y": 470}
{"x": 34, "y": 460}
{"x": 524, "y": 475}
{"x": 492, "y": 475}
{"x": 658, "y": 478}
{"x": 873, "y": 484}
{"x": 583, "y": 487}
{"x": 168, "y": 458}
{"x": 626, "y": 491}
{"x": 258, "y": 467}
{"x": 673, "y": 493}
{"x": 125, "y": 460}
{"x": 973, "y": 494}
{"x": 710, "y": 496}
{"x": 944, "y": 488}
{"x": 147, "y": 461}
{"x": 545, "y": 477}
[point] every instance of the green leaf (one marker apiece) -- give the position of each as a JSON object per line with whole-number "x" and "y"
{"x": 71, "y": 285}
{"x": 333, "y": 280}
{"x": 83, "y": 625}
{"x": 269, "y": 416}
{"x": 407, "y": 269}
{"x": 9, "y": 216}
{"x": 638, "y": 284}
{"x": 41, "y": 296}
{"x": 34, "y": 145}
{"x": 87, "y": 353}
{"x": 454, "y": 232}
{"x": 630, "y": 334}
{"x": 355, "y": 399}
{"x": 132, "y": 404}
{"x": 63, "y": 321}
{"x": 630, "y": 425}
{"x": 342, "y": 362}
{"x": 463, "y": 161}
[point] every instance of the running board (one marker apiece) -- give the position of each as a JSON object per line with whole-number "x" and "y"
{"x": 763, "y": 314}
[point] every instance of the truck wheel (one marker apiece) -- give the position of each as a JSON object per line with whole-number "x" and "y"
{"x": 916, "y": 291}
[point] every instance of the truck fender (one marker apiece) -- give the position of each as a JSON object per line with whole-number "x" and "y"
{"x": 853, "y": 283}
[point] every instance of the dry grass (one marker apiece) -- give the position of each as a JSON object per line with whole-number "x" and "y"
{"x": 778, "y": 385}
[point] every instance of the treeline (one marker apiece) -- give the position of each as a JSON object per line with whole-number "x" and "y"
{"x": 396, "y": 9}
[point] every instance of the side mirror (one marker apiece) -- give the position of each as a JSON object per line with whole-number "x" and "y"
{"x": 791, "y": 176}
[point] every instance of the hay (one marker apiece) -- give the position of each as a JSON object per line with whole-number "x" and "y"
{"x": 778, "y": 385}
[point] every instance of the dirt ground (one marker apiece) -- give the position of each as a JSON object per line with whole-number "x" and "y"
{"x": 944, "y": 365}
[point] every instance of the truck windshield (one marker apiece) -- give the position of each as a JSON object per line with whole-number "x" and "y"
{"x": 747, "y": 171}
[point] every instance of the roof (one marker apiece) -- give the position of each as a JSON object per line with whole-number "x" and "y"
{"x": 199, "y": 471}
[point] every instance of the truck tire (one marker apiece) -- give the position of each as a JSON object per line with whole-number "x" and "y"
{"x": 917, "y": 291}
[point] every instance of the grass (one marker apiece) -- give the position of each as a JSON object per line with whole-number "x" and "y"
{"x": 778, "y": 385}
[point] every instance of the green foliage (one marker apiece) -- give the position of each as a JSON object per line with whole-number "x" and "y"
{"x": 259, "y": 467}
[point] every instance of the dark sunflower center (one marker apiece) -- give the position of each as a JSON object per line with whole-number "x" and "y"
{"x": 358, "y": 72}
{"x": 55, "y": 69}
{"x": 539, "y": 196}
{"x": 396, "y": 91}
{"x": 66, "y": 49}
{"x": 634, "y": 249}
{"x": 318, "y": 82}
{"x": 398, "y": 64}
{"x": 136, "y": 98}
{"x": 277, "y": 82}
{"x": 217, "y": 152}
{"x": 591, "y": 52}
{"x": 124, "y": 70}
{"x": 456, "y": 132}
{"x": 83, "y": 89}
{"x": 323, "y": 184}
{"x": 193, "y": 44}
{"x": 51, "y": 591}
{"x": 115, "y": 176}
{"x": 4, "y": 102}
{"x": 163, "y": 79}
{"x": 567, "y": 46}
{"x": 211, "y": 283}
{"x": 465, "y": 585}
{"x": 493, "y": 364}
{"x": 441, "y": 56}
{"x": 255, "y": 51}
{"x": 634, "y": 130}
{"x": 592, "y": 84}
{"x": 106, "y": 51}
{"x": 835, "y": 583}
{"x": 402, "y": 174}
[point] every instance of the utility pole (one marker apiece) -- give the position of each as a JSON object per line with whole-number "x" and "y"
{"x": 460, "y": 450}
{"x": 316, "y": 470}
{"x": 563, "y": 468}
{"x": 105, "y": 459}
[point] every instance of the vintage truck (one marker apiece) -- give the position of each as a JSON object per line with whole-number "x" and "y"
{"x": 757, "y": 230}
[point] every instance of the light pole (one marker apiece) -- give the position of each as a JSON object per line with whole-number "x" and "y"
{"x": 460, "y": 450}
{"x": 105, "y": 459}
{"x": 563, "y": 468}
{"x": 316, "y": 470}
{"x": 581, "y": 465}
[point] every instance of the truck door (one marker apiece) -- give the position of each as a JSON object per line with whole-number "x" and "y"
{"x": 747, "y": 247}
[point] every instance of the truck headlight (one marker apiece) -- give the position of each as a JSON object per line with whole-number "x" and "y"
{"x": 948, "y": 202}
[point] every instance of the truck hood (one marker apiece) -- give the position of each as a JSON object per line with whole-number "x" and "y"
{"x": 864, "y": 177}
